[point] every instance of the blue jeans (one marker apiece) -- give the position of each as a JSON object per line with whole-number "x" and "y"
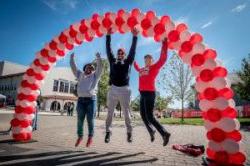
{"x": 86, "y": 106}
{"x": 34, "y": 121}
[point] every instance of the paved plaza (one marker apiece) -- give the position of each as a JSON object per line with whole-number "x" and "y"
{"x": 53, "y": 144}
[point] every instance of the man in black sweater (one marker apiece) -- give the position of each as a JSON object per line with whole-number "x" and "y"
{"x": 119, "y": 91}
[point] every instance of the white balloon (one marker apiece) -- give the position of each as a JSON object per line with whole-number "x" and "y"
{"x": 205, "y": 104}
{"x": 198, "y": 48}
{"x": 103, "y": 30}
{"x": 221, "y": 103}
{"x": 80, "y": 37}
{"x": 227, "y": 124}
{"x": 114, "y": 28}
{"x": 154, "y": 21}
{"x": 88, "y": 22}
{"x": 125, "y": 16}
{"x": 215, "y": 146}
{"x": 196, "y": 70}
{"x": 150, "y": 31}
{"x": 177, "y": 45}
{"x": 140, "y": 17}
{"x": 76, "y": 26}
{"x": 112, "y": 17}
{"x": 185, "y": 36}
{"x": 52, "y": 53}
{"x": 125, "y": 28}
{"x": 99, "y": 19}
{"x": 24, "y": 116}
{"x": 200, "y": 86}
{"x": 209, "y": 125}
{"x": 219, "y": 83}
{"x": 61, "y": 47}
{"x": 230, "y": 146}
{"x": 187, "y": 58}
{"x": 169, "y": 27}
{"x": 210, "y": 64}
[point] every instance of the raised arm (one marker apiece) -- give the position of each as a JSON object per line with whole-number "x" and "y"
{"x": 163, "y": 56}
{"x": 98, "y": 71}
{"x": 131, "y": 55}
{"x": 136, "y": 66}
{"x": 74, "y": 69}
{"x": 108, "y": 47}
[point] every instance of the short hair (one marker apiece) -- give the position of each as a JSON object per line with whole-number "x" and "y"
{"x": 148, "y": 56}
{"x": 88, "y": 64}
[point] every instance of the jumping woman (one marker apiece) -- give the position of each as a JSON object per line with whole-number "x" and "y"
{"x": 147, "y": 90}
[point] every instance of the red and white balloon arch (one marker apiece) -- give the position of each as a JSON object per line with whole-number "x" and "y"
{"x": 214, "y": 90}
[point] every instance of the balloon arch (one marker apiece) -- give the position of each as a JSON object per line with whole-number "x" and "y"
{"x": 213, "y": 88}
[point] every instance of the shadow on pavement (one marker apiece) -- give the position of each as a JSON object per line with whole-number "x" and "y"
{"x": 11, "y": 141}
{"x": 76, "y": 158}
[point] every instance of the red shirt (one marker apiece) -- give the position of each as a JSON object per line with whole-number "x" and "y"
{"x": 147, "y": 75}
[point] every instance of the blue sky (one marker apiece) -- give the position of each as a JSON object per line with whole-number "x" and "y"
{"x": 28, "y": 24}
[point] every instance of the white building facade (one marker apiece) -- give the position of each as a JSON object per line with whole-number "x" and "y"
{"x": 57, "y": 91}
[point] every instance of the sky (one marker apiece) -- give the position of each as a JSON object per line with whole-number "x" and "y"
{"x": 28, "y": 24}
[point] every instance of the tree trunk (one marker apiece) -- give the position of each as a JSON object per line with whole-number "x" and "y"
{"x": 120, "y": 112}
{"x": 182, "y": 111}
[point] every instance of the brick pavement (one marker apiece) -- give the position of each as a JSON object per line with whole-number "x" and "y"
{"x": 54, "y": 144}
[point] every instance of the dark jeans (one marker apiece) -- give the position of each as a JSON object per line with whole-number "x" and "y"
{"x": 147, "y": 102}
{"x": 85, "y": 107}
{"x": 34, "y": 121}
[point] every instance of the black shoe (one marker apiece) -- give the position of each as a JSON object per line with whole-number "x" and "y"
{"x": 129, "y": 137}
{"x": 107, "y": 137}
{"x": 166, "y": 139}
{"x": 152, "y": 136}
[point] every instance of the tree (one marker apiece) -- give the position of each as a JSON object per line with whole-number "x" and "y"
{"x": 162, "y": 103}
{"x": 177, "y": 79}
{"x": 135, "y": 104}
{"x": 242, "y": 88}
{"x": 103, "y": 86}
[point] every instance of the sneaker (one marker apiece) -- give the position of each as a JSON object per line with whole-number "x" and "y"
{"x": 129, "y": 137}
{"x": 152, "y": 136}
{"x": 166, "y": 138}
{"x": 107, "y": 137}
{"x": 89, "y": 142}
{"x": 78, "y": 141}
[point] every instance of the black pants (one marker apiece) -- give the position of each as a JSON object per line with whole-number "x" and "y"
{"x": 147, "y": 102}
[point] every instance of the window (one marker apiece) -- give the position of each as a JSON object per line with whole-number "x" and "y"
{"x": 72, "y": 87}
{"x": 55, "y": 86}
{"x": 66, "y": 88}
{"x": 62, "y": 85}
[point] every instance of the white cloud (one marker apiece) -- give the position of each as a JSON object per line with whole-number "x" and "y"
{"x": 61, "y": 5}
{"x": 209, "y": 23}
{"x": 239, "y": 8}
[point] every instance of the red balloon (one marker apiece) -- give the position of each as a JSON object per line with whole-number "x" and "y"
{"x": 186, "y": 46}
{"x": 72, "y": 32}
{"x": 157, "y": 38}
{"x": 235, "y": 135}
{"x": 150, "y": 14}
{"x": 227, "y": 93}
{"x": 95, "y": 24}
{"x": 144, "y": 33}
{"x": 53, "y": 45}
{"x": 210, "y": 93}
{"x": 196, "y": 38}
{"x": 83, "y": 28}
{"x": 221, "y": 157}
{"x": 206, "y": 75}
{"x": 20, "y": 136}
{"x": 120, "y": 12}
{"x": 198, "y": 60}
{"x": 220, "y": 72}
{"x": 181, "y": 27}
{"x": 229, "y": 112}
{"x": 62, "y": 38}
{"x": 107, "y": 14}
{"x": 159, "y": 29}
{"x": 165, "y": 19}
{"x": 88, "y": 38}
{"x": 146, "y": 24}
{"x": 214, "y": 115}
{"x": 132, "y": 22}
{"x": 69, "y": 46}
{"x": 238, "y": 158}
{"x": 107, "y": 23}
{"x": 218, "y": 135}
{"x": 99, "y": 34}
{"x": 119, "y": 21}
{"x": 15, "y": 122}
{"x": 60, "y": 52}
{"x": 210, "y": 153}
{"x": 174, "y": 36}
{"x": 30, "y": 72}
{"x": 44, "y": 52}
{"x": 135, "y": 12}
{"x": 95, "y": 16}
{"x": 51, "y": 59}
{"x": 210, "y": 53}
{"x": 201, "y": 96}
{"x": 25, "y": 123}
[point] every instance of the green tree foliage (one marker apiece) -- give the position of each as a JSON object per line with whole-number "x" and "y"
{"x": 162, "y": 103}
{"x": 103, "y": 86}
{"x": 242, "y": 88}
{"x": 135, "y": 104}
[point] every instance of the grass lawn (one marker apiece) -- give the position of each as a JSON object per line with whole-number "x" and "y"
{"x": 197, "y": 121}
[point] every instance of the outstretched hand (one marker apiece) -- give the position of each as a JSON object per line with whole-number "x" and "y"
{"x": 109, "y": 31}
{"x": 135, "y": 31}
{"x": 98, "y": 55}
{"x": 165, "y": 41}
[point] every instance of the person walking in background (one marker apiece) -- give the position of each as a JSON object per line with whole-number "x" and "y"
{"x": 119, "y": 91}
{"x": 71, "y": 108}
{"x": 147, "y": 76}
{"x": 86, "y": 90}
